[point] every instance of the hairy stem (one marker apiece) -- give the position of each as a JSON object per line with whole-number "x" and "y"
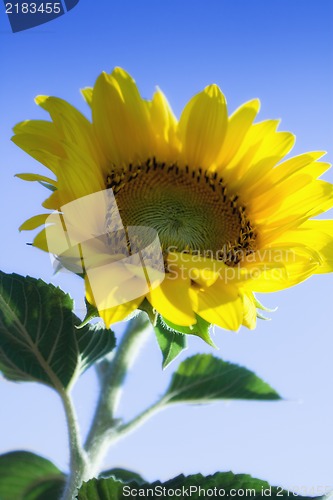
{"x": 140, "y": 419}
{"x": 78, "y": 456}
{"x": 104, "y": 427}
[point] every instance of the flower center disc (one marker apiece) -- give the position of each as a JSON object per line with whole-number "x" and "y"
{"x": 190, "y": 210}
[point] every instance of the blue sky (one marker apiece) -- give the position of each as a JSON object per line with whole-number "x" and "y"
{"x": 278, "y": 50}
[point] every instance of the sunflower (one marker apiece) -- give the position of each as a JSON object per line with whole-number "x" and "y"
{"x": 231, "y": 217}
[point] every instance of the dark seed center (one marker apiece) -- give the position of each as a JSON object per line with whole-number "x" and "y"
{"x": 191, "y": 210}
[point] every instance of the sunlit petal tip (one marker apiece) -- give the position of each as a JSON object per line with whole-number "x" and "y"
{"x": 41, "y": 99}
{"x": 19, "y": 127}
{"x": 87, "y": 93}
{"x": 118, "y": 71}
{"x": 215, "y": 92}
{"x": 159, "y": 95}
{"x": 255, "y": 104}
{"x": 160, "y": 98}
{"x": 104, "y": 80}
{"x": 317, "y": 154}
{"x": 124, "y": 79}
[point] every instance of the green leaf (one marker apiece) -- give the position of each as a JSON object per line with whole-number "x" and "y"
{"x": 223, "y": 484}
{"x": 46, "y": 489}
{"x": 171, "y": 342}
{"x": 94, "y": 342}
{"x": 26, "y": 476}
{"x": 204, "y": 378}
{"x": 39, "y": 339}
{"x": 102, "y": 489}
{"x": 123, "y": 475}
{"x": 200, "y": 329}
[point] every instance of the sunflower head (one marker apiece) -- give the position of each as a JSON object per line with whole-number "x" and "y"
{"x": 185, "y": 218}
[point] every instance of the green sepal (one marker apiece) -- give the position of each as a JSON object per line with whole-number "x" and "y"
{"x": 47, "y": 186}
{"x": 261, "y": 316}
{"x": 92, "y": 312}
{"x": 200, "y": 329}
{"x": 171, "y": 342}
{"x": 259, "y": 305}
{"x": 146, "y": 307}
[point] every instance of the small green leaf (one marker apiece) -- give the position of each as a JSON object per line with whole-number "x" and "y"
{"x": 123, "y": 475}
{"x": 204, "y": 378}
{"x": 92, "y": 312}
{"x": 47, "y": 185}
{"x": 172, "y": 343}
{"x": 39, "y": 339}
{"x": 200, "y": 329}
{"x": 196, "y": 487}
{"x": 26, "y": 476}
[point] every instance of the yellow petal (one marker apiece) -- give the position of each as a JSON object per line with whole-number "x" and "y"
{"x": 171, "y": 299}
{"x": 40, "y": 241}
{"x": 78, "y": 176}
{"x": 72, "y": 126}
{"x": 250, "y": 310}
{"x": 309, "y": 201}
{"x": 250, "y": 146}
{"x": 114, "y": 314}
{"x": 164, "y": 124}
{"x": 37, "y": 177}
{"x": 273, "y": 269}
{"x": 119, "y": 313}
{"x": 286, "y": 177}
{"x": 273, "y": 147}
{"x": 202, "y": 270}
{"x": 52, "y": 202}
{"x": 317, "y": 235}
{"x": 239, "y": 123}
{"x": 33, "y": 222}
{"x": 297, "y": 164}
{"x": 87, "y": 95}
{"x": 121, "y": 119}
{"x": 202, "y": 127}
{"x": 219, "y": 304}
{"x": 40, "y": 139}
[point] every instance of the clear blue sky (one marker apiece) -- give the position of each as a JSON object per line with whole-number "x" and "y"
{"x": 278, "y": 50}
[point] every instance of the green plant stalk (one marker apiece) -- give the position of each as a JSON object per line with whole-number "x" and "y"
{"x": 104, "y": 427}
{"x": 79, "y": 466}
